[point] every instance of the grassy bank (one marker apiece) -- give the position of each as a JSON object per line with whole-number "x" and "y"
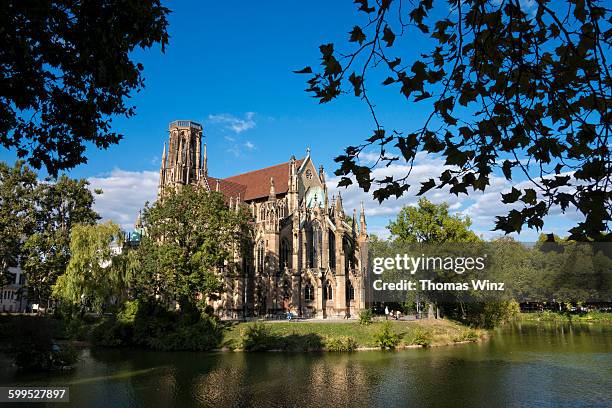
{"x": 548, "y": 316}
{"x": 345, "y": 336}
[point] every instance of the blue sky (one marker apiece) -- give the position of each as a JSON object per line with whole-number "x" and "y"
{"x": 229, "y": 66}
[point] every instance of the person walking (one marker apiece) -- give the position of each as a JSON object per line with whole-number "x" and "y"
{"x": 386, "y": 312}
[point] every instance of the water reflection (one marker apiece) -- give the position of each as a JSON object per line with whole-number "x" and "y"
{"x": 522, "y": 365}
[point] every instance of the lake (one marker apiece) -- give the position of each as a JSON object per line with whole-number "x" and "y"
{"x": 524, "y": 364}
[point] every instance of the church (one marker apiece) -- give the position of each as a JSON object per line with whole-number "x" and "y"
{"x": 306, "y": 255}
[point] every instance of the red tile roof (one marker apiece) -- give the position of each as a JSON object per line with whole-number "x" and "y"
{"x": 228, "y": 188}
{"x": 256, "y": 184}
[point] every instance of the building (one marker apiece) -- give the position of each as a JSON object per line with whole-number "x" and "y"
{"x": 12, "y": 295}
{"x": 306, "y": 256}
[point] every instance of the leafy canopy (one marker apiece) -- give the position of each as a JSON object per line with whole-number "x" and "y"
{"x": 94, "y": 273}
{"x": 66, "y": 71}
{"x": 58, "y": 207}
{"x": 17, "y": 187}
{"x": 191, "y": 236}
{"x": 503, "y": 81}
{"x": 430, "y": 223}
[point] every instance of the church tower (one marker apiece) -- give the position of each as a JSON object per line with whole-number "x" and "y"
{"x": 183, "y": 163}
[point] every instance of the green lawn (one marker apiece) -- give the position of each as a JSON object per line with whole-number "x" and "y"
{"x": 298, "y": 333}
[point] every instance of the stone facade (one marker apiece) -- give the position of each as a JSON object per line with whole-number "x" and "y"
{"x": 305, "y": 256}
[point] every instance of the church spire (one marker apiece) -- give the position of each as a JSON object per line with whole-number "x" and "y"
{"x": 272, "y": 196}
{"x": 292, "y": 192}
{"x": 205, "y": 162}
{"x": 362, "y": 221}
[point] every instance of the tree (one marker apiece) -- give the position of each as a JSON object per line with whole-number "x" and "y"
{"x": 66, "y": 72}
{"x": 430, "y": 223}
{"x": 59, "y": 207}
{"x": 94, "y": 275}
{"x": 190, "y": 238}
{"x": 516, "y": 88}
{"x": 17, "y": 185}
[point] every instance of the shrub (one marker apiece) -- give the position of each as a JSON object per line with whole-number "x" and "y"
{"x": 202, "y": 336}
{"x": 76, "y": 329}
{"x": 365, "y": 317}
{"x": 386, "y": 338}
{"x": 467, "y": 335}
{"x": 32, "y": 347}
{"x": 421, "y": 337}
{"x": 341, "y": 344}
{"x": 111, "y": 333}
{"x": 64, "y": 356}
{"x": 258, "y": 337}
{"x": 129, "y": 311}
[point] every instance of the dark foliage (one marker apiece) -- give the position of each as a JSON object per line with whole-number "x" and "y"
{"x": 152, "y": 325}
{"x": 66, "y": 71}
{"x": 31, "y": 344}
{"x": 503, "y": 80}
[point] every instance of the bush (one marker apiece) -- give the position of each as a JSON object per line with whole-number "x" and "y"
{"x": 467, "y": 335}
{"x": 341, "y": 344}
{"x": 110, "y": 332}
{"x": 421, "y": 337}
{"x": 386, "y": 338}
{"x": 32, "y": 347}
{"x": 153, "y": 326}
{"x": 365, "y": 317}
{"x": 201, "y": 336}
{"x": 258, "y": 337}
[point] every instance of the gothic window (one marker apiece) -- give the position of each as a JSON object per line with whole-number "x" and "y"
{"x": 309, "y": 174}
{"x": 285, "y": 254}
{"x": 327, "y": 292}
{"x": 349, "y": 261}
{"x": 309, "y": 292}
{"x": 262, "y": 213}
{"x": 315, "y": 245}
{"x": 261, "y": 253}
{"x": 332, "y": 249}
{"x": 350, "y": 291}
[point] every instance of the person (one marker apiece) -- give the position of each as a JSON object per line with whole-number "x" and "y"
{"x": 386, "y": 312}
{"x": 289, "y": 316}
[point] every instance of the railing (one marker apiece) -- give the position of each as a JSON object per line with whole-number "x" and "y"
{"x": 185, "y": 123}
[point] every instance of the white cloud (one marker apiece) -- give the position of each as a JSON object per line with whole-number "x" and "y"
{"x": 480, "y": 207}
{"x": 249, "y": 145}
{"x": 124, "y": 194}
{"x": 234, "y": 123}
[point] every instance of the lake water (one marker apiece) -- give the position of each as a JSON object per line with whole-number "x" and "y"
{"x": 545, "y": 365}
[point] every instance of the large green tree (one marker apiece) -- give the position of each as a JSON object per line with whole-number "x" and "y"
{"x": 430, "y": 223}
{"x": 59, "y": 207}
{"x": 513, "y": 88}
{"x": 95, "y": 275}
{"x": 17, "y": 186}
{"x": 67, "y": 70}
{"x": 190, "y": 237}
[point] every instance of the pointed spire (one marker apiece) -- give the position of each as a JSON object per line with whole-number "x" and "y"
{"x": 322, "y": 174}
{"x": 218, "y": 187}
{"x": 163, "y": 163}
{"x": 308, "y": 151}
{"x": 205, "y": 162}
{"x": 354, "y": 223}
{"x": 339, "y": 202}
{"x": 272, "y": 190}
{"x": 138, "y": 223}
{"x": 362, "y": 221}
